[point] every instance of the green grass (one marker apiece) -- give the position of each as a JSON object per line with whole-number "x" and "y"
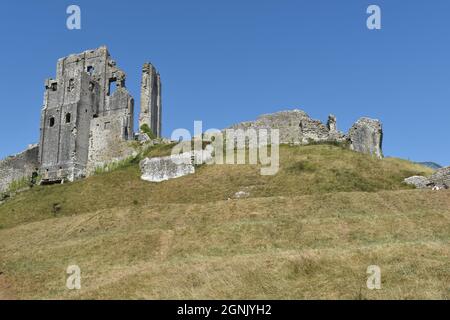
{"x": 308, "y": 232}
{"x": 328, "y": 169}
{"x": 146, "y": 129}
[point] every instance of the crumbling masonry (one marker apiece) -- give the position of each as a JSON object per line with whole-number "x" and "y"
{"x": 151, "y": 99}
{"x": 87, "y": 111}
{"x": 297, "y": 127}
{"x": 87, "y": 118}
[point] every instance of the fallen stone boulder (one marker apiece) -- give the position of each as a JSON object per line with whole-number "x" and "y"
{"x": 173, "y": 166}
{"x": 441, "y": 178}
{"x": 165, "y": 168}
{"x": 419, "y": 182}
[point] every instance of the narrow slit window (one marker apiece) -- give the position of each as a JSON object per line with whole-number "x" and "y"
{"x": 68, "y": 116}
{"x": 52, "y": 121}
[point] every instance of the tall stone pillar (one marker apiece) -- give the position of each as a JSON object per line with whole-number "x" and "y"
{"x": 151, "y": 102}
{"x": 331, "y": 124}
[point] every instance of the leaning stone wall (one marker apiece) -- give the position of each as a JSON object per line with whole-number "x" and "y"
{"x": 366, "y": 136}
{"x": 18, "y": 166}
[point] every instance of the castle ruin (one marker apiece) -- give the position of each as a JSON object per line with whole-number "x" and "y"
{"x": 150, "y": 113}
{"x": 87, "y": 118}
{"x": 298, "y": 128}
{"x": 87, "y": 122}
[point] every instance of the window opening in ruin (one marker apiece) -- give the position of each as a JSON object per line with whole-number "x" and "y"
{"x": 71, "y": 85}
{"x": 52, "y": 121}
{"x": 90, "y": 70}
{"x": 68, "y": 118}
{"x": 54, "y": 86}
{"x": 112, "y": 86}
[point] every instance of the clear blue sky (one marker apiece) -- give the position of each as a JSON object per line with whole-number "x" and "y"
{"x": 228, "y": 61}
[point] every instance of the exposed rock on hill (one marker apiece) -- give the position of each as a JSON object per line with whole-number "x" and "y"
{"x": 439, "y": 180}
{"x": 419, "y": 182}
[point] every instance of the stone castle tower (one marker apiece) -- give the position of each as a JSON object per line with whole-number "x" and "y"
{"x": 88, "y": 111}
{"x": 151, "y": 99}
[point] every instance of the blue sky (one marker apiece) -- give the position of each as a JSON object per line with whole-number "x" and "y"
{"x": 229, "y": 61}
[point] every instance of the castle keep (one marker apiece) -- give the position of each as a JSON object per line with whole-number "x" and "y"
{"x": 86, "y": 119}
{"x": 87, "y": 111}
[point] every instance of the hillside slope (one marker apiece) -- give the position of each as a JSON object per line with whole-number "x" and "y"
{"x": 308, "y": 232}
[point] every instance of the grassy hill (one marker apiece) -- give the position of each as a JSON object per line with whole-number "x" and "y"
{"x": 310, "y": 231}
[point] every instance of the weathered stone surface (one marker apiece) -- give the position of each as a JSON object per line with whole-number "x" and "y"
{"x": 419, "y": 182}
{"x": 438, "y": 181}
{"x": 332, "y": 123}
{"x": 150, "y": 113}
{"x": 441, "y": 178}
{"x": 174, "y": 166}
{"x": 366, "y": 136}
{"x": 18, "y": 166}
{"x": 85, "y": 122}
{"x": 241, "y": 194}
{"x": 296, "y": 127}
{"x": 165, "y": 168}
{"x": 81, "y": 97}
{"x": 106, "y": 142}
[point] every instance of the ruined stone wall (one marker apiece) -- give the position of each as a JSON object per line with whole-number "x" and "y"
{"x": 296, "y": 127}
{"x": 82, "y": 91}
{"x": 150, "y": 113}
{"x": 121, "y": 103}
{"x": 86, "y": 120}
{"x": 106, "y": 143}
{"x": 366, "y": 136}
{"x": 18, "y": 166}
{"x": 65, "y": 130}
